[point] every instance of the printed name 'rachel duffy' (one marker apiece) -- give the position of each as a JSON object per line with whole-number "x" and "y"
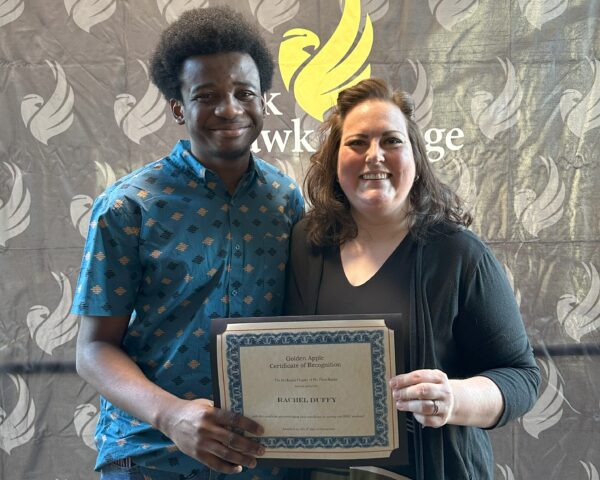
{"x": 305, "y": 399}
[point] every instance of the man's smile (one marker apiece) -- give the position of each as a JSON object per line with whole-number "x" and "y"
{"x": 232, "y": 131}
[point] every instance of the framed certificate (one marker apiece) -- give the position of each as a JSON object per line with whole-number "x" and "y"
{"x": 317, "y": 384}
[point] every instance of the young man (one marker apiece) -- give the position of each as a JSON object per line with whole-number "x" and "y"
{"x": 199, "y": 234}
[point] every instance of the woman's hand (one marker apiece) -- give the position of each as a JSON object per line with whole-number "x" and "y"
{"x": 208, "y": 434}
{"x": 427, "y": 394}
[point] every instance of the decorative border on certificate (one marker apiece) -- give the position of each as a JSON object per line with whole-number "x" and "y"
{"x": 319, "y": 388}
{"x": 379, "y": 380}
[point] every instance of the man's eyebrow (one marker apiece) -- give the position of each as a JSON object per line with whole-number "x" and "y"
{"x": 240, "y": 83}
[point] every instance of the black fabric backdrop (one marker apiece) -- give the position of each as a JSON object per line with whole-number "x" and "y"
{"x": 508, "y": 94}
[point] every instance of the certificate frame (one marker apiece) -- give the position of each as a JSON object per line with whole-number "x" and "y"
{"x": 288, "y": 451}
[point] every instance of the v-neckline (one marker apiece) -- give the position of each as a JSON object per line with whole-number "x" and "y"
{"x": 377, "y": 270}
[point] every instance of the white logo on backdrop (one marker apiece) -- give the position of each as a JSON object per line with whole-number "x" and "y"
{"x": 81, "y": 205}
{"x": 538, "y": 12}
{"x": 506, "y": 471}
{"x": 14, "y": 214}
{"x": 376, "y": 9}
{"x": 16, "y": 426}
{"x": 172, "y": 9}
{"x": 422, "y": 96}
{"x": 10, "y": 10}
{"x": 581, "y": 318}
{"x": 582, "y": 113}
{"x": 46, "y": 120}
{"x": 53, "y": 329}
{"x": 144, "y": 118}
{"x": 450, "y": 12}
{"x": 87, "y": 13}
{"x": 493, "y": 116}
{"x": 272, "y": 13}
{"x": 85, "y": 419}
{"x": 467, "y": 187}
{"x": 548, "y": 409}
{"x": 81, "y": 211}
{"x": 536, "y": 213}
{"x": 456, "y": 173}
{"x": 511, "y": 281}
{"x": 591, "y": 470}
{"x": 287, "y": 167}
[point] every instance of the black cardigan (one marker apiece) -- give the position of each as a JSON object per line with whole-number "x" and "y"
{"x": 464, "y": 321}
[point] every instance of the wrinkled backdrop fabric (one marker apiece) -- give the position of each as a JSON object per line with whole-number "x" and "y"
{"x": 507, "y": 92}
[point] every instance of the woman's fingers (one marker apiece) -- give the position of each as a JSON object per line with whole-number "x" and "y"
{"x": 427, "y": 394}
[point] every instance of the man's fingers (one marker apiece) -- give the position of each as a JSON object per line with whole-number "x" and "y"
{"x": 230, "y": 439}
{"x": 234, "y": 441}
{"x": 218, "y": 464}
{"x": 231, "y": 453}
{"x": 239, "y": 422}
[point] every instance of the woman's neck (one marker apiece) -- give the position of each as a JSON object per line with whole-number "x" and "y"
{"x": 377, "y": 238}
{"x": 380, "y": 229}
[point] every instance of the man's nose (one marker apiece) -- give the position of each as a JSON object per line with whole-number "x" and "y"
{"x": 229, "y": 107}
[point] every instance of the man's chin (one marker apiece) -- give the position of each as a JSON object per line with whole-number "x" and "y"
{"x": 232, "y": 155}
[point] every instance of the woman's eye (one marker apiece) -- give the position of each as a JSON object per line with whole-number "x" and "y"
{"x": 395, "y": 140}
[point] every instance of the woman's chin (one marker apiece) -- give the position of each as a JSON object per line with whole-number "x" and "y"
{"x": 376, "y": 207}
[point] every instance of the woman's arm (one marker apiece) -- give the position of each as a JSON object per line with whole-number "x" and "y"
{"x": 500, "y": 377}
{"x": 436, "y": 400}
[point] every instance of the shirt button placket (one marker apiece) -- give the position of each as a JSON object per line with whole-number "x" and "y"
{"x": 237, "y": 261}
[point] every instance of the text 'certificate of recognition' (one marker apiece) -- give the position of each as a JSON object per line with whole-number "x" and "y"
{"x": 319, "y": 389}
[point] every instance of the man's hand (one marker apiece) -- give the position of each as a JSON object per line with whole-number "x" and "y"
{"x": 208, "y": 434}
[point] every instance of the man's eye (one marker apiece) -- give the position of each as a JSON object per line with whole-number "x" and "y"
{"x": 246, "y": 94}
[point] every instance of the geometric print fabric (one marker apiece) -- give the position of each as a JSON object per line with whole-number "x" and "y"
{"x": 171, "y": 246}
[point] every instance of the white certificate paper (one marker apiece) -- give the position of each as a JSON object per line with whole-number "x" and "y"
{"x": 319, "y": 388}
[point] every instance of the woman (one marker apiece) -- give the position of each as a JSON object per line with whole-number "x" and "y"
{"x": 385, "y": 235}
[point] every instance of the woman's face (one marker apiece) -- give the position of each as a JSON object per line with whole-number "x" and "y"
{"x": 376, "y": 167}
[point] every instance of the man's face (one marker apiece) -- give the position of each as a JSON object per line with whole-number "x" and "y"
{"x": 222, "y": 107}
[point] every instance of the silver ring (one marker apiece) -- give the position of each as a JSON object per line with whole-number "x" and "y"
{"x": 436, "y": 409}
{"x": 230, "y": 439}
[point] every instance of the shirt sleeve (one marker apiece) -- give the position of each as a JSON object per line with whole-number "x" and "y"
{"x": 297, "y": 205}
{"x": 494, "y": 337}
{"x": 111, "y": 270}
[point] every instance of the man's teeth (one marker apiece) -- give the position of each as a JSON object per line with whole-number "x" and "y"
{"x": 375, "y": 176}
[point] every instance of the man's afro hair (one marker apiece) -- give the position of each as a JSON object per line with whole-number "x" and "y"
{"x": 206, "y": 31}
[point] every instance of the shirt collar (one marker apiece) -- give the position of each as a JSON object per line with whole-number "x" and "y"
{"x": 182, "y": 154}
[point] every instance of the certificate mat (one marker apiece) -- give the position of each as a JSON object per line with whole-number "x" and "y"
{"x": 319, "y": 388}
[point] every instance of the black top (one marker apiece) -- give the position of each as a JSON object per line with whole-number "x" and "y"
{"x": 387, "y": 291}
{"x": 463, "y": 320}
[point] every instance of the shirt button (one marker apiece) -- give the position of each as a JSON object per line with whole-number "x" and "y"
{"x": 237, "y": 247}
{"x": 234, "y": 292}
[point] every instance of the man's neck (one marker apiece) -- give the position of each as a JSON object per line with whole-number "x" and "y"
{"x": 229, "y": 170}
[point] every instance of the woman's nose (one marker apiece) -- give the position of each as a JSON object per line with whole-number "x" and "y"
{"x": 374, "y": 153}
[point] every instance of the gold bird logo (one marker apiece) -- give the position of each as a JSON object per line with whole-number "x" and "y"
{"x": 317, "y": 73}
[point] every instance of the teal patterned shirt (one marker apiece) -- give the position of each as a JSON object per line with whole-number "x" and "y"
{"x": 171, "y": 246}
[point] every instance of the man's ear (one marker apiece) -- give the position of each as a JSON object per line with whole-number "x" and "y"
{"x": 177, "y": 111}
